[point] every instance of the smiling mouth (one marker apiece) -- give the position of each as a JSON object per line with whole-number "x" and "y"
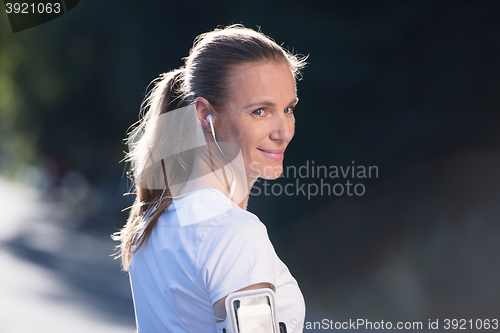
{"x": 276, "y": 155}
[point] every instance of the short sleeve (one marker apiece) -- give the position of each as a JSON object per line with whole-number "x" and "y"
{"x": 237, "y": 253}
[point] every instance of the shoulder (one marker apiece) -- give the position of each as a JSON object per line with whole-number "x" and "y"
{"x": 241, "y": 222}
{"x": 235, "y": 230}
{"x": 200, "y": 206}
{"x": 236, "y": 253}
{"x": 210, "y": 207}
{"x": 237, "y": 234}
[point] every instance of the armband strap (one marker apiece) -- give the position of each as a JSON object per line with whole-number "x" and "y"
{"x": 250, "y": 311}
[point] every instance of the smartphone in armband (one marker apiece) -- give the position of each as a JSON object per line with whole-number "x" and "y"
{"x": 251, "y": 311}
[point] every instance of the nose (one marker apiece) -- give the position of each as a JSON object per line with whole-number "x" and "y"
{"x": 283, "y": 128}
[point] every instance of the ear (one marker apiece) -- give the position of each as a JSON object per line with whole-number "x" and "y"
{"x": 203, "y": 108}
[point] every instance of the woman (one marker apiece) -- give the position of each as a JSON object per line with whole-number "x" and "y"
{"x": 211, "y": 129}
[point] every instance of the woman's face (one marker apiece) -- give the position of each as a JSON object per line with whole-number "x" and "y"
{"x": 258, "y": 116}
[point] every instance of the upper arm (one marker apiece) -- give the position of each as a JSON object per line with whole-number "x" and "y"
{"x": 239, "y": 256}
{"x": 219, "y": 306}
{"x": 236, "y": 257}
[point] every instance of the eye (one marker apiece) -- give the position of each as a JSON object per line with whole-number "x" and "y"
{"x": 289, "y": 110}
{"x": 258, "y": 112}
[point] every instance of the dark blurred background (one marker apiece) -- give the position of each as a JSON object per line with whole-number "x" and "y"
{"x": 412, "y": 87}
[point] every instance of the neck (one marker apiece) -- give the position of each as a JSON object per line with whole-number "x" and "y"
{"x": 210, "y": 180}
{"x": 250, "y": 182}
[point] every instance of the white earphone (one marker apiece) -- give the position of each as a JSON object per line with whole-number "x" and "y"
{"x": 233, "y": 184}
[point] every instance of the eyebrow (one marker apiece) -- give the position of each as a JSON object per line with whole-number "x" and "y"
{"x": 269, "y": 103}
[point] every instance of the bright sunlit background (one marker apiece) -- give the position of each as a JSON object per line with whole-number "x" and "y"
{"x": 410, "y": 87}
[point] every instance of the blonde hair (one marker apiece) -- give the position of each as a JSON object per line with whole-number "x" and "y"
{"x": 205, "y": 74}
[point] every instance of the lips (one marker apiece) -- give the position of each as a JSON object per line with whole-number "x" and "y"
{"x": 274, "y": 154}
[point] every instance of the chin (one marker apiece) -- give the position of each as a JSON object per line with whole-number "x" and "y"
{"x": 271, "y": 172}
{"x": 264, "y": 170}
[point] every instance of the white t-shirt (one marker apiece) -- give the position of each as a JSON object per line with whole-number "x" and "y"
{"x": 203, "y": 248}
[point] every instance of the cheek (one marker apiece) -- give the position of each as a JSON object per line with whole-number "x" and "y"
{"x": 249, "y": 137}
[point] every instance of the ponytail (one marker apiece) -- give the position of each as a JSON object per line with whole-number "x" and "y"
{"x": 164, "y": 97}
